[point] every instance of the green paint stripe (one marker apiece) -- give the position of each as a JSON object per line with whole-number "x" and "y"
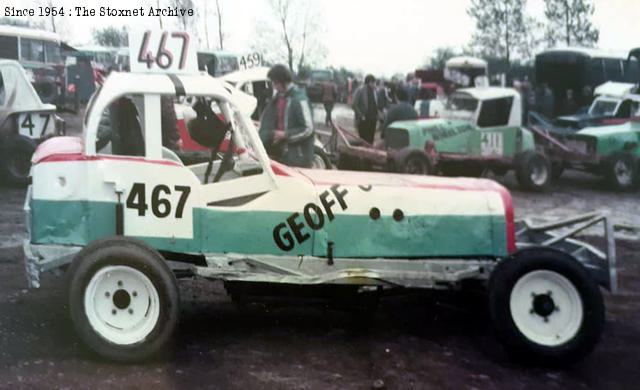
{"x": 79, "y": 223}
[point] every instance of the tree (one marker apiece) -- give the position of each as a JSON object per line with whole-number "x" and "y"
{"x": 292, "y": 35}
{"x": 186, "y": 22}
{"x": 440, "y": 56}
{"x": 111, "y": 36}
{"x": 282, "y": 10}
{"x": 502, "y": 29}
{"x": 568, "y": 21}
{"x": 218, "y": 15}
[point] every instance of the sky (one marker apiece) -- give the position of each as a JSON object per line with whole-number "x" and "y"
{"x": 377, "y": 36}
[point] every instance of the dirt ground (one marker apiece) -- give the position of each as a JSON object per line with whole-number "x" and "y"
{"x": 416, "y": 341}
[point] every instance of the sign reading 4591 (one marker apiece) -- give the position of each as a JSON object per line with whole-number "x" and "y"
{"x": 162, "y": 51}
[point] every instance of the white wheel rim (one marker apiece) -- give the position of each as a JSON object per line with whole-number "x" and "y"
{"x": 623, "y": 173}
{"x": 112, "y": 315}
{"x": 539, "y": 174}
{"x": 555, "y": 328}
{"x": 318, "y": 162}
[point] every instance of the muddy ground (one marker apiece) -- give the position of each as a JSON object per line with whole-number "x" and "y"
{"x": 411, "y": 343}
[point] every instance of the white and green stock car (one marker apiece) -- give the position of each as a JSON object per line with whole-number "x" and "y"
{"x": 122, "y": 223}
{"x": 24, "y": 122}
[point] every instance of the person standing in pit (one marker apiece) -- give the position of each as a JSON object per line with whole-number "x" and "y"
{"x": 288, "y": 111}
{"x": 365, "y": 107}
{"x": 329, "y": 96}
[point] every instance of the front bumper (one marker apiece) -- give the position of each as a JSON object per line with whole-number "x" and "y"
{"x": 42, "y": 258}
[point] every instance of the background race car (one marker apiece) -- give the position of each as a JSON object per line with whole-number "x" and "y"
{"x": 24, "y": 122}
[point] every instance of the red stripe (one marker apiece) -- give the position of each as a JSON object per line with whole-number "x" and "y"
{"x": 508, "y": 213}
{"x": 82, "y": 157}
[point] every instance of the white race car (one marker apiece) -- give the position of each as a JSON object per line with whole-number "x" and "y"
{"x": 128, "y": 223}
{"x": 24, "y": 122}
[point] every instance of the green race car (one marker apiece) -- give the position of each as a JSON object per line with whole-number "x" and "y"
{"x": 459, "y": 148}
{"x": 610, "y": 151}
{"x": 480, "y": 131}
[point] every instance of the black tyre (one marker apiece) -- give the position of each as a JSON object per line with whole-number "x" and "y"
{"x": 557, "y": 169}
{"x": 621, "y": 171}
{"x": 545, "y": 307}
{"x": 500, "y": 171}
{"x": 416, "y": 163}
{"x": 464, "y": 169}
{"x": 533, "y": 171}
{"x": 320, "y": 159}
{"x": 123, "y": 299}
{"x": 17, "y": 161}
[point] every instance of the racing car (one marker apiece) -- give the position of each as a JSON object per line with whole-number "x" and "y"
{"x": 608, "y": 151}
{"x": 24, "y": 122}
{"x": 480, "y": 130}
{"x": 613, "y": 105}
{"x": 127, "y": 224}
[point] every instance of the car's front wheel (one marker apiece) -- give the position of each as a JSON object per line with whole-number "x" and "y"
{"x": 123, "y": 299}
{"x": 545, "y": 307}
{"x": 622, "y": 171}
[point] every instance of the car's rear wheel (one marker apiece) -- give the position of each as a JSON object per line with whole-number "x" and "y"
{"x": 123, "y": 299}
{"x": 545, "y": 307}
{"x": 17, "y": 162}
{"x": 533, "y": 171}
{"x": 622, "y": 171}
{"x": 416, "y": 164}
{"x": 320, "y": 159}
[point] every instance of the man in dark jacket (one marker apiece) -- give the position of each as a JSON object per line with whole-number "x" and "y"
{"x": 400, "y": 111}
{"x": 290, "y": 112}
{"x": 365, "y": 107}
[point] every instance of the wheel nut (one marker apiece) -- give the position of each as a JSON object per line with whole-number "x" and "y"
{"x": 113, "y": 312}
{"x": 107, "y": 294}
{"x": 130, "y": 311}
{"x": 546, "y": 319}
{"x": 119, "y": 283}
{"x": 135, "y": 294}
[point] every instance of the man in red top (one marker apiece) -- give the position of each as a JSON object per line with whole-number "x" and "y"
{"x": 329, "y": 95}
{"x": 288, "y": 111}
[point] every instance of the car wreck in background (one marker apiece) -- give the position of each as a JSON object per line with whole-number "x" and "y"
{"x": 24, "y": 122}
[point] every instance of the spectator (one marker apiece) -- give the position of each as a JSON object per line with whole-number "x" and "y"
{"x": 569, "y": 106}
{"x": 288, "y": 111}
{"x": 544, "y": 100}
{"x": 329, "y": 96}
{"x": 365, "y": 107}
